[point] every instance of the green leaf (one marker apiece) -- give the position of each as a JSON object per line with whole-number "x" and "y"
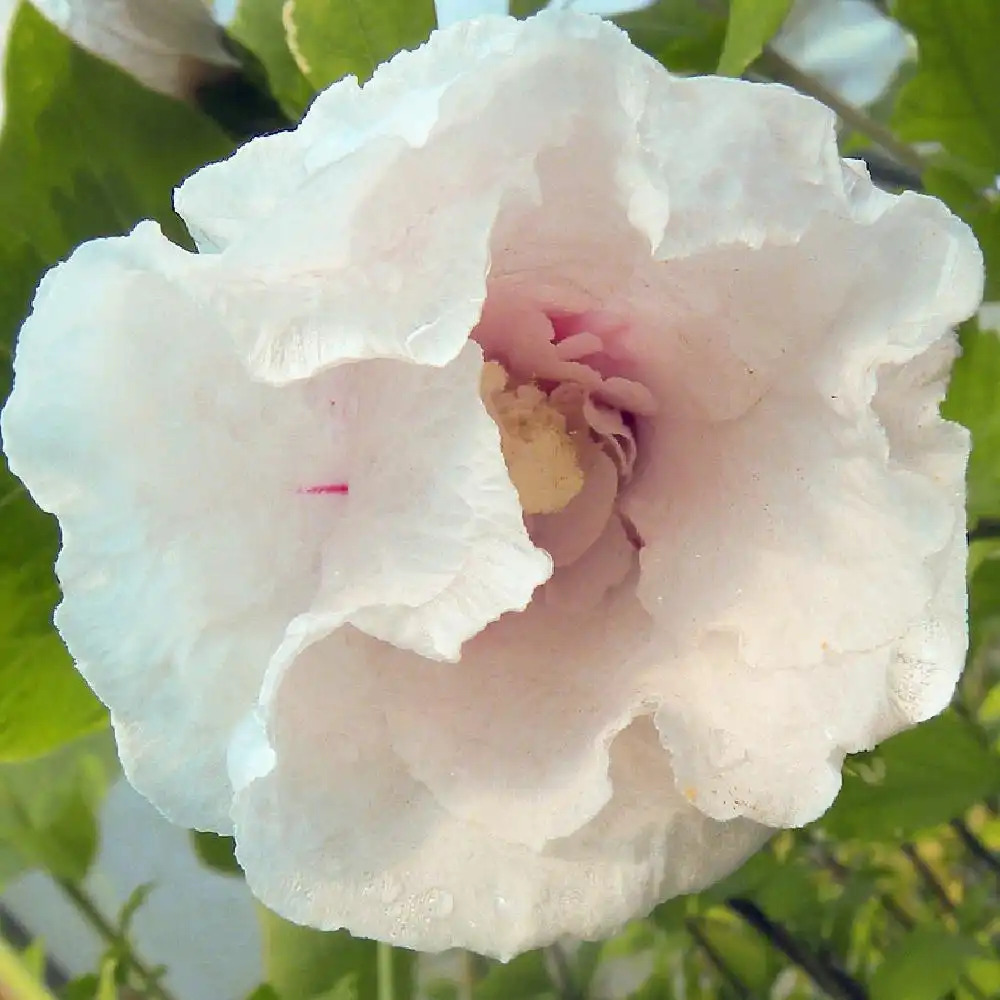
{"x": 48, "y": 808}
{"x": 984, "y": 604}
{"x": 215, "y": 852}
{"x": 951, "y": 98}
{"x": 259, "y": 28}
{"x": 332, "y": 39}
{"x": 525, "y": 976}
{"x": 135, "y": 902}
{"x": 973, "y": 400}
{"x": 85, "y": 151}
{"x": 752, "y": 24}
{"x": 107, "y": 987}
{"x": 916, "y": 780}
{"x": 346, "y": 989}
{"x": 687, "y": 36}
{"x": 300, "y": 962}
{"x": 755, "y": 872}
{"x": 33, "y": 959}
{"x": 264, "y": 992}
{"x": 926, "y": 965}
{"x": 745, "y": 954}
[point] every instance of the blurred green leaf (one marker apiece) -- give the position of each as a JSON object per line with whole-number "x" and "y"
{"x": 260, "y": 28}
{"x": 107, "y": 986}
{"x": 525, "y": 8}
{"x": 441, "y": 990}
{"x": 952, "y": 98}
{"x": 984, "y": 604}
{"x": 215, "y": 852}
{"x": 791, "y": 896}
{"x": 687, "y": 36}
{"x": 346, "y": 989}
{"x": 300, "y": 962}
{"x": 915, "y": 780}
{"x": 33, "y": 959}
{"x": 332, "y": 39}
{"x": 744, "y": 953}
{"x": 752, "y": 24}
{"x": 82, "y": 988}
{"x": 526, "y": 976}
{"x": 926, "y": 965}
{"x": 264, "y": 992}
{"x": 973, "y": 400}
{"x": 985, "y": 974}
{"x": 135, "y": 902}
{"x": 48, "y": 808}
{"x": 755, "y": 872}
{"x": 85, "y": 151}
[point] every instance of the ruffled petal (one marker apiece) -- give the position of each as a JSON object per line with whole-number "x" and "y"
{"x": 429, "y": 546}
{"x": 342, "y": 833}
{"x": 185, "y": 548}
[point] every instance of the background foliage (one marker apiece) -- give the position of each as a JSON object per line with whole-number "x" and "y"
{"x": 893, "y": 895}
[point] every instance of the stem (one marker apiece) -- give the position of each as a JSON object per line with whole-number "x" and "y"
{"x": 384, "y": 971}
{"x": 15, "y": 980}
{"x": 695, "y": 930}
{"x": 90, "y": 911}
{"x": 780, "y": 68}
{"x": 833, "y": 981}
{"x": 467, "y": 981}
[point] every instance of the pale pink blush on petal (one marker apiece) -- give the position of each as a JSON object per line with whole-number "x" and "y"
{"x": 568, "y": 534}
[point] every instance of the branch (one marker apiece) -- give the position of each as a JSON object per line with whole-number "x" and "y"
{"x": 975, "y": 846}
{"x": 90, "y": 911}
{"x": 833, "y": 981}
{"x": 929, "y": 878}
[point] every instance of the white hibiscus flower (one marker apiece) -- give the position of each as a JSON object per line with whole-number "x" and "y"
{"x": 524, "y": 499}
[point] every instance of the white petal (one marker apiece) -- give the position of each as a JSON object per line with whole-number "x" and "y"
{"x": 193, "y": 541}
{"x": 817, "y": 540}
{"x": 166, "y": 44}
{"x": 989, "y": 316}
{"x": 330, "y": 277}
{"x": 430, "y": 545}
{"x": 341, "y": 833}
{"x": 605, "y": 8}
{"x": 185, "y": 548}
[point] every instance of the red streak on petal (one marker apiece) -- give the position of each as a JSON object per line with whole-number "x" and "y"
{"x": 325, "y": 489}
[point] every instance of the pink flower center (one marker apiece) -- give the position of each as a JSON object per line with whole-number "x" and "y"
{"x": 568, "y": 421}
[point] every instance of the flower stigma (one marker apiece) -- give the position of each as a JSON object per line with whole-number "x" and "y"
{"x": 538, "y": 449}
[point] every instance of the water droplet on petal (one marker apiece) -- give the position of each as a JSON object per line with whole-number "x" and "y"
{"x": 439, "y": 903}
{"x": 391, "y": 889}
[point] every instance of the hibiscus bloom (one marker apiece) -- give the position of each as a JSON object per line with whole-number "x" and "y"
{"x": 526, "y": 496}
